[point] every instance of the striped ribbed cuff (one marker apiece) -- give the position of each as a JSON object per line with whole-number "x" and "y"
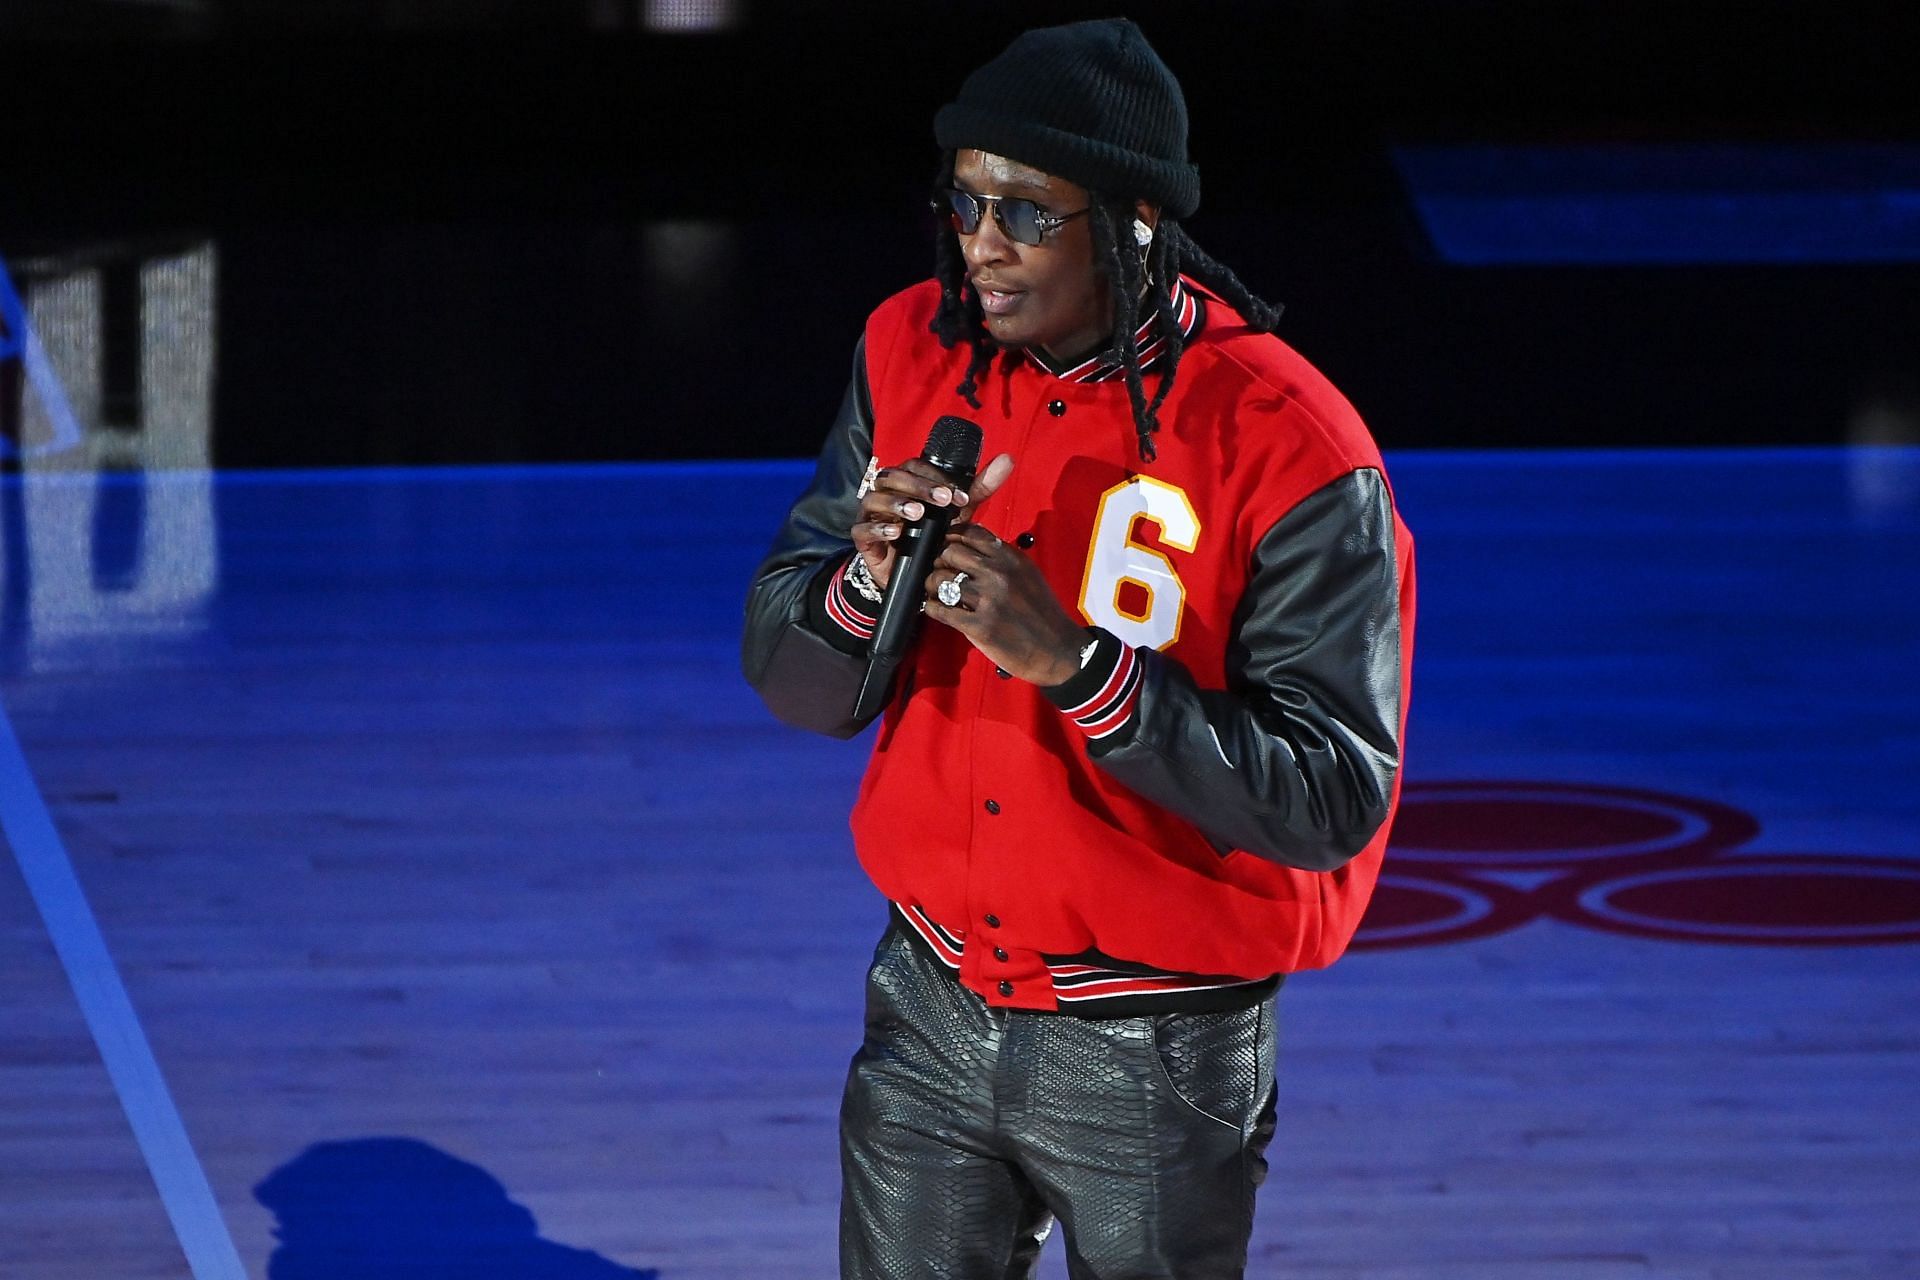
{"x": 839, "y": 613}
{"x": 1101, "y": 698}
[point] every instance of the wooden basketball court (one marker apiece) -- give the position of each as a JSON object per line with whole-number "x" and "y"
{"x": 480, "y": 922}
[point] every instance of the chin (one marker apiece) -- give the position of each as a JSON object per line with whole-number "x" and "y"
{"x": 1010, "y": 333}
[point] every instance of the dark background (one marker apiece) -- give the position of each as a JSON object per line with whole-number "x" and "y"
{"x": 482, "y": 230}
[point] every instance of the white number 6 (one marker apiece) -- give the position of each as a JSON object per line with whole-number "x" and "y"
{"x": 1131, "y": 589}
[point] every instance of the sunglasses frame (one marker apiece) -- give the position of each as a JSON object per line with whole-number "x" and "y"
{"x": 1046, "y": 223}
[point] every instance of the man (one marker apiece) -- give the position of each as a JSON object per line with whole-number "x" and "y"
{"x": 1141, "y": 762}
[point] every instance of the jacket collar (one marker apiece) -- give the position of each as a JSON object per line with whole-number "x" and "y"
{"x": 1103, "y": 366}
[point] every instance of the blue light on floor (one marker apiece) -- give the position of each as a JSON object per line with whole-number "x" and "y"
{"x": 487, "y": 924}
{"x": 12, "y": 324}
{"x": 1624, "y": 205}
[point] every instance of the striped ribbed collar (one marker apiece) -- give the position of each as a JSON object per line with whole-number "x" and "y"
{"x": 1100, "y": 367}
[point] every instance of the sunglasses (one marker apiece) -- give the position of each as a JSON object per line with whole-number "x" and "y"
{"x": 1023, "y": 221}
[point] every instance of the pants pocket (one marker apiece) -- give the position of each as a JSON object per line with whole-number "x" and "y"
{"x": 1213, "y": 1062}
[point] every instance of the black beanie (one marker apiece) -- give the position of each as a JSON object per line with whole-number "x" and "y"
{"x": 1090, "y": 102}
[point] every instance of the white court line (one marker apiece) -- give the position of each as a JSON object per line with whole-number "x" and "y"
{"x": 49, "y": 874}
{"x": 53, "y": 394}
{"x": 42, "y": 377}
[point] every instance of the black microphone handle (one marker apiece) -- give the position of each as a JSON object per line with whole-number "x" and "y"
{"x": 906, "y": 589}
{"x": 875, "y": 688}
{"x": 900, "y": 608}
{"x": 953, "y": 449}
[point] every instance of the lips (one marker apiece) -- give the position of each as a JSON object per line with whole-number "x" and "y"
{"x": 997, "y": 301}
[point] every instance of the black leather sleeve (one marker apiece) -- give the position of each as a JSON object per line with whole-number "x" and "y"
{"x": 804, "y": 678}
{"x": 1295, "y": 761}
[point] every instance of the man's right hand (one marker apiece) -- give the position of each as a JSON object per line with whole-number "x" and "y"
{"x": 902, "y": 494}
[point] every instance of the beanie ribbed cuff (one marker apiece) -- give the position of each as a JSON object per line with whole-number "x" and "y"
{"x": 1090, "y": 162}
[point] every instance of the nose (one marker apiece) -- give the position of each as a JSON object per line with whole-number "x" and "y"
{"x": 987, "y": 245}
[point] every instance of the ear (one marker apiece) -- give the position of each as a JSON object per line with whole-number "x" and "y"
{"x": 1146, "y": 218}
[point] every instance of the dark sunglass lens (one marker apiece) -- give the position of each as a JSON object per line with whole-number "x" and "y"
{"x": 966, "y": 212}
{"x": 1021, "y": 220}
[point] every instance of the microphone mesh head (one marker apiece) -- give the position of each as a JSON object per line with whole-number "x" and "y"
{"x": 953, "y": 445}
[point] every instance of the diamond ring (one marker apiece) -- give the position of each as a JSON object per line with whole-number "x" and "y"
{"x": 949, "y": 591}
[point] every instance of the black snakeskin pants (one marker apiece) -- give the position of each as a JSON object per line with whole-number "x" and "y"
{"x": 966, "y": 1131}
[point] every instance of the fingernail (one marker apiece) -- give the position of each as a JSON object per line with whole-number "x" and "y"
{"x": 960, "y": 497}
{"x": 943, "y": 494}
{"x": 912, "y": 510}
{"x": 889, "y": 531}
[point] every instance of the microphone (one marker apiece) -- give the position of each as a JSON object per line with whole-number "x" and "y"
{"x": 953, "y": 449}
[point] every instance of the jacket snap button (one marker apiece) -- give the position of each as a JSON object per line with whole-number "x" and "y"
{"x": 1006, "y": 988}
{"x": 993, "y": 922}
{"x": 1003, "y": 673}
{"x": 1000, "y": 953}
{"x": 993, "y": 806}
{"x": 1058, "y": 408}
{"x": 1024, "y": 540}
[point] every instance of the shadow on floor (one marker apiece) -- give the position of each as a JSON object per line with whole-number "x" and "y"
{"x": 398, "y": 1209}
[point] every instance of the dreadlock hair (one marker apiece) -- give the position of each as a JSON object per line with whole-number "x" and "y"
{"x": 958, "y": 319}
{"x": 1134, "y": 280}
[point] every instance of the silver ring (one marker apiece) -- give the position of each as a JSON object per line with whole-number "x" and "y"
{"x": 949, "y": 591}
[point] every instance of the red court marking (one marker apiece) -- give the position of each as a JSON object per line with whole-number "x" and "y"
{"x": 1777, "y": 900}
{"x": 1411, "y": 910}
{"x": 1542, "y": 825}
{"x": 1644, "y": 863}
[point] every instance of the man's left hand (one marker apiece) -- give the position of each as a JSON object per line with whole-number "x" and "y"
{"x": 1006, "y": 608}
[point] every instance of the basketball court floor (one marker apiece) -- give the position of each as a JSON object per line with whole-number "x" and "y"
{"x": 405, "y": 884}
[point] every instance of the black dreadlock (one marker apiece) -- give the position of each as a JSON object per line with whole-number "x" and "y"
{"x": 958, "y": 318}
